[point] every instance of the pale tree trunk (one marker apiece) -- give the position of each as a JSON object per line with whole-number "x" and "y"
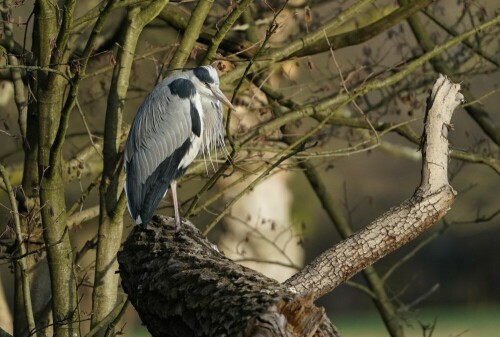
{"x": 259, "y": 232}
{"x": 260, "y": 225}
{"x": 182, "y": 286}
{"x": 6, "y": 321}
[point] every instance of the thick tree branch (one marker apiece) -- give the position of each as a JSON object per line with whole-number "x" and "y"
{"x": 402, "y": 224}
{"x": 181, "y": 285}
{"x": 375, "y": 282}
{"x": 222, "y": 31}
{"x": 50, "y": 91}
{"x": 365, "y": 33}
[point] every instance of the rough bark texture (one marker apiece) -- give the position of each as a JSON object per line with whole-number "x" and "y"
{"x": 181, "y": 285}
{"x": 49, "y": 96}
{"x": 334, "y": 210}
{"x": 401, "y": 224}
{"x": 386, "y": 234}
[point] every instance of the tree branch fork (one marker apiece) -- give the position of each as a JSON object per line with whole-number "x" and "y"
{"x": 181, "y": 285}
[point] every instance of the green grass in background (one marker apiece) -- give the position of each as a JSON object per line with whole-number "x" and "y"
{"x": 483, "y": 321}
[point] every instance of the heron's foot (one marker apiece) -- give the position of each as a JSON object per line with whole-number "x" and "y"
{"x": 178, "y": 226}
{"x": 169, "y": 225}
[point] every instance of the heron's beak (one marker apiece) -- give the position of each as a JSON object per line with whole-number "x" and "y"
{"x": 220, "y": 96}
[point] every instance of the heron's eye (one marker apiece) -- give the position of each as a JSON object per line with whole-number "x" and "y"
{"x": 207, "y": 85}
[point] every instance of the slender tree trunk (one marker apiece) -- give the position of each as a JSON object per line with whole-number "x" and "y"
{"x": 6, "y": 320}
{"x": 50, "y": 92}
{"x": 112, "y": 197}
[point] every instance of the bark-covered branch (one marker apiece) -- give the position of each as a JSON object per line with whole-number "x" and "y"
{"x": 50, "y": 91}
{"x": 365, "y": 33}
{"x": 376, "y": 284}
{"x": 181, "y": 285}
{"x": 223, "y": 30}
{"x": 401, "y": 224}
{"x": 191, "y": 34}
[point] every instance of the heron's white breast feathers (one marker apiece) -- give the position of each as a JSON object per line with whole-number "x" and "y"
{"x": 213, "y": 135}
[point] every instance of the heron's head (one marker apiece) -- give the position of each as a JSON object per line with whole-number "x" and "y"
{"x": 206, "y": 82}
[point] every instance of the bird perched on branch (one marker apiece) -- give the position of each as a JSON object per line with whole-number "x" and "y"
{"x": 179, "y": 118}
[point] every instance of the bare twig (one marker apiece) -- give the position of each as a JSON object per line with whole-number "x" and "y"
{"x": 222, "y": 31}
{"x": 191, "y": 34}
{"x": 266, "y": 172}
{"x": 111, "y": 317}
{"x": 452, "y": 32}
{"x": 20, "y": 242}
{"x": 480, "y": 116}
{"x": 342, "y": 81}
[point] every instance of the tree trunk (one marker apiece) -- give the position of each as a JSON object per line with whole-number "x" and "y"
{"x": 181, "y": 285}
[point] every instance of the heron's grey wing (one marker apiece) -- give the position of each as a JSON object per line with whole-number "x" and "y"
{"x": 159, "y": 137}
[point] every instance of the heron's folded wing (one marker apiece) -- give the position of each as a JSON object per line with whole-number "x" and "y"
{"x": 157, "y": 136}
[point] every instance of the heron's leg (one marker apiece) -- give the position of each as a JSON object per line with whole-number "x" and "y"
{"x": 173, "y": 186}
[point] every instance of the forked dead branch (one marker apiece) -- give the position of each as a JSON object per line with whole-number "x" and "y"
{"x": 181, "y": 285}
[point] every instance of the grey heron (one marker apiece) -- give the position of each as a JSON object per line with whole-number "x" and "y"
{"x": 179, "y": 118}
